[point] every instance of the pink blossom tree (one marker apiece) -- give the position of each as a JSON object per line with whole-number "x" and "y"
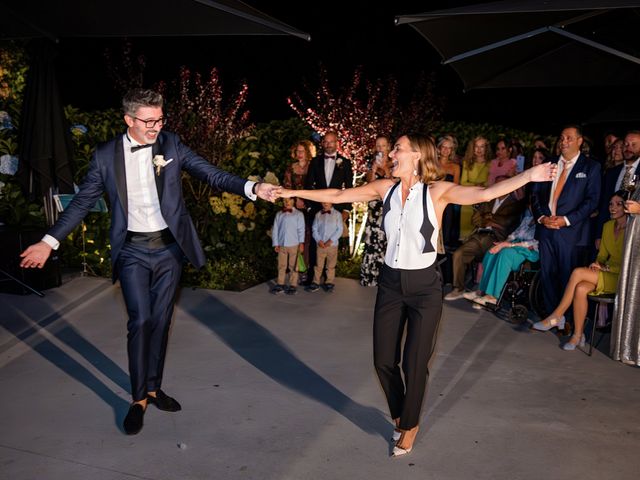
{"x": 358, "y": 114}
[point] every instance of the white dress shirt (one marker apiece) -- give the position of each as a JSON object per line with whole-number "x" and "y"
{"x": 142, "y": 195}
{"x": 562, "y": 164}
{"x": 329, "y": 167}
{"x": 405, "y": 243}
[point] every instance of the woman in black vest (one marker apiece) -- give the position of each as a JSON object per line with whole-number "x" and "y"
{"x": 410, "y": 289}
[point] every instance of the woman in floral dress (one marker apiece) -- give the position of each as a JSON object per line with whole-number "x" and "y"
{"x": 375, "y": 242}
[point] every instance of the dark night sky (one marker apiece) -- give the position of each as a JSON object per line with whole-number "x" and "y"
{"x": 342, "y": 38}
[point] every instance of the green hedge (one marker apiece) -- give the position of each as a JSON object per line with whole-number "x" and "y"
{"x": 235, "y": 235}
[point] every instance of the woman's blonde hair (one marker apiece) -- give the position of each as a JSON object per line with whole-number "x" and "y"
{"x": 429, "y": 168}
{"x": 469, "y": 157}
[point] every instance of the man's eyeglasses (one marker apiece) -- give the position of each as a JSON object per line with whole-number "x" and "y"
{"x": 152, "y": 123}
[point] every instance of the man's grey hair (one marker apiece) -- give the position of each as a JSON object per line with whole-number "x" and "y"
{"x": 140, "y": 97}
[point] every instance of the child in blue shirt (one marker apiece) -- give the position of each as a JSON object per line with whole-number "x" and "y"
{"x": 288, "y": 239}
{"x": 326, "y": 231}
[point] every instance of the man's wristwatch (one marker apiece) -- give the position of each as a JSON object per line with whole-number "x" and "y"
{"x": 255, "y": 187}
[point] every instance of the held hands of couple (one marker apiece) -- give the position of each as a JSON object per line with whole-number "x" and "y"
{"x": 281, "y": 192}
{"x": 266, "y": 191}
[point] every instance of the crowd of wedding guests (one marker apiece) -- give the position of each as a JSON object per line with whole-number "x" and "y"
{"x": 579, "y": 230}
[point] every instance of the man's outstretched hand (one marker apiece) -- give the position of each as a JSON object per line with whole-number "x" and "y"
{"x": 36, "y": 255}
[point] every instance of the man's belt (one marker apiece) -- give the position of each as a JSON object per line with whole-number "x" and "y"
{"x": 159, "y": 239}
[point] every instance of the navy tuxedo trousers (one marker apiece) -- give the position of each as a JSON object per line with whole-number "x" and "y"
{"x": 149, "y": 278}
{"x": 411, "y": 299}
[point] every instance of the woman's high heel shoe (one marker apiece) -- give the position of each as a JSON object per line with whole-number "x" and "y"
{"x": 548, "y": 324}
{"x": 396, "y": 435}
{"x": 399, "y": 451}
{"x": 572, "y": 346}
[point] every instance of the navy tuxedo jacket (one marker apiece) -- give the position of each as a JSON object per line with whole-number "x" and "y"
{"x": 578, "y": 200}
{"x": 342, "y": 178}
{"x": 107, "y": 174}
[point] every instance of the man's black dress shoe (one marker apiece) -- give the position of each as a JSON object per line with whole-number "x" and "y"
{"x": 164, "y": 402}
{"x": 133, "y": 421}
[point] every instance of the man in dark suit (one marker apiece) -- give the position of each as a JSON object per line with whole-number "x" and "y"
{"x": 328, "y": 170}
{"x": 562, "y": 209}
{"x": 151, "y": 233}
{"x": 493, "y": 221}
{"x": 618, "y": 178}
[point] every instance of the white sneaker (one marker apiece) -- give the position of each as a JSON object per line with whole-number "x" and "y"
{"x": 486, "y": 300}
{"x": 472, "y": 295}
{"x": 454, "y": 294}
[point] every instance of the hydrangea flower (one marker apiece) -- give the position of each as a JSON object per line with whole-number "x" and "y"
{"x": 8, "y": 164}
{"x": 5, "y": 121}
{"x": 78, "y": 130}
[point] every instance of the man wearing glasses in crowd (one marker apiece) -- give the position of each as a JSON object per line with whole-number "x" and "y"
{"x": 151, "y": 233}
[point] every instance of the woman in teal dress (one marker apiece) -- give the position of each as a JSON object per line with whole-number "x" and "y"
{"x": 598, "y": 278}
{"x": 504, "y": 258}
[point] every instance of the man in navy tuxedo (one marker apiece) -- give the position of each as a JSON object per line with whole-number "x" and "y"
{"x": 151, "y": 233}
{"x": 562, "y": 209}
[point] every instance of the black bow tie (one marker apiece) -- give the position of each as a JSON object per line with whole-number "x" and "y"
{"x": 332, "y": 157}
{"x": 326, "y": 211}
{"x": 135, "y": 148}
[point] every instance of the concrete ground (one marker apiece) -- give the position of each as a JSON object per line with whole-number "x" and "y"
{"x": 284, "y": 388}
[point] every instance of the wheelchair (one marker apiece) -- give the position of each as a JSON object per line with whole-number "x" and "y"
{"x": 521, "y": 294}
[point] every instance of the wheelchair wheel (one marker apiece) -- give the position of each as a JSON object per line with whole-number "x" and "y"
{"x": 536, "y": 301}
{"x": 518, "y": 314}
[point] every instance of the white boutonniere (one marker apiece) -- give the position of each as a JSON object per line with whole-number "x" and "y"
{"x": 159, "y": 162}
{"x": 581, "y": 175}
{"x": 338, "y": 162}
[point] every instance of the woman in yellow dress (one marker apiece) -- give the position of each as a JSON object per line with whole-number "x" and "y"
{"x": 598, "y": 278}
{"x": 475, "y": 172}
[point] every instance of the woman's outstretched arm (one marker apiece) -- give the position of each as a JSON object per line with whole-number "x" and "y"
{"x": 467, "y": 195}
{"x": 370, "y": 191}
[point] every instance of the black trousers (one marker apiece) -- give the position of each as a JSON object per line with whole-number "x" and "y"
{"x": 149, "y": 278}
{"x": 411, "y": 299}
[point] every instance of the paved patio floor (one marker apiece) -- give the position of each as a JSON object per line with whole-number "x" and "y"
{"x": 284, "y": 388}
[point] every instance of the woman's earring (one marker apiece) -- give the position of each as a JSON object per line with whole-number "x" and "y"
{"x": 415, "y": 172}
